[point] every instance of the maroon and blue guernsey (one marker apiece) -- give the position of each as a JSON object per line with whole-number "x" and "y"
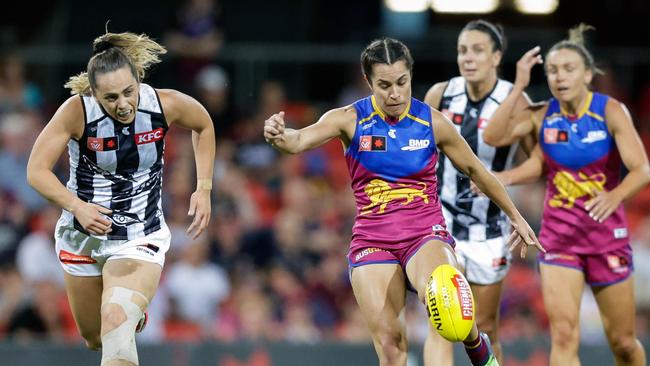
{"x": 582, "y": 160}
{"x": 392, "y": 163}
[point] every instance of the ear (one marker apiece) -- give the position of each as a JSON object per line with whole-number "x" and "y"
{"x": 496, "y": 57}
{"x": 365, "y": 77}
{"x": 589, "y": 75}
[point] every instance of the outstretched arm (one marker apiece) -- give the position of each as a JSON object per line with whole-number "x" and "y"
{"x": 456, "y": 148}
{"x": 634, "y": 157}
{"x": 338, "y": 122}
{"x": 185, "y": 111}
{"x": 510, "y": 121}
{"x": 527, "y": 172}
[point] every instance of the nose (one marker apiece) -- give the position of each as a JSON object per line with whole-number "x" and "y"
{"x": 122, "y": 103}
{"x": 467, "y": 57}
{"x": 394, "y": 93}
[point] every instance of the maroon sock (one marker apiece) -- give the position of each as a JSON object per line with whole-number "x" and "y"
{"x": 478, "y": 351}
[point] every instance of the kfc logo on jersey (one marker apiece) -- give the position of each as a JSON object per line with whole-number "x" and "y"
{"x": 102, "y": 143}
{"x": 372, "y": 143}
{"x": 457, "y": 119}
{"x": 149, "y": 136}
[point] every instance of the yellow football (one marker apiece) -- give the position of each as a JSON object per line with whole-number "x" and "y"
{"x": 450, "y": 303}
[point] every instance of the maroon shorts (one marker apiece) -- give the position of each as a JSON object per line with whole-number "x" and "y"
{"x": 372, "y": 254}
{"x": 600, "y": 269}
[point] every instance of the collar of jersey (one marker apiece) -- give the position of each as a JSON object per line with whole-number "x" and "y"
{"x": 582, "y": 110}
{"x": 383, "y": 115}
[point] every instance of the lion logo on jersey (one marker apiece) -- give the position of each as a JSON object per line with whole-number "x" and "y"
{"x": 381, "y": 194}
{"x": 569, "y": 188}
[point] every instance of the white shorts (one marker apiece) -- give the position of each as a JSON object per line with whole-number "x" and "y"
{"x": 83, "y": 255}
{"x": 485, "y": 262}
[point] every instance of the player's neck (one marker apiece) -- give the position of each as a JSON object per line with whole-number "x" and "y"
{"x": 479, "y": 90}
{"x": 574, "y": 106}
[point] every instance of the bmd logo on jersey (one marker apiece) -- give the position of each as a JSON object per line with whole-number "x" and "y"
{"x": 149, "y": 136}
{"x": 372, "y": 143}
{"x": 415, "y": 144}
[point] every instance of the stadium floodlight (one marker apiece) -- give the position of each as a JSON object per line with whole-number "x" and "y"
{"x": 536, "y": 6}
{"x": 407, "y": 6}
{"x": 464, "y": 6}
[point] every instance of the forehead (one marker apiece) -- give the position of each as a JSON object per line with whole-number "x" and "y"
{"x": 473, "y": 37}
{"x": 563, "y": 56}
{"x": 390, "y": 72}
{"x": 114, "y": 81}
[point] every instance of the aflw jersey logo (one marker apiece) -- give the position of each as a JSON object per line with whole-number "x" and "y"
{"x": 119, "y": 166}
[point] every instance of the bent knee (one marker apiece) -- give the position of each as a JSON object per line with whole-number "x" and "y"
{"x": 392, "y": 346}
{"x": 565, "y": 333}
{"x": 624, "y": 347}
{"x": 488, "y": 325}
{"x": 113, "y": 315}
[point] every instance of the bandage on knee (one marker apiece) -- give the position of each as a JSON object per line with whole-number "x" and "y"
{"x": 119, "y": 343}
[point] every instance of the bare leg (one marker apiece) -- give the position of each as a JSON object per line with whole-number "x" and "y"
{"x": 562, "y": 290}
{"x": 437, "y": 350}
{"x": 419, "y": 268}
{"x": 616, "y": 303}
{"x": 85, "y": 298}
{"x": 487, "y": 299}
{"x": 381, "y": 294}
{"x": 138, "y": 276}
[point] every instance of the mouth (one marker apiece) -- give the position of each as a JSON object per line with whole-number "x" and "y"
{"x": 122, "y": 115}
{"x": 562, "y": 89}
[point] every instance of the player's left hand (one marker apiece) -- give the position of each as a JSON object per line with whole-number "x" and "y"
{"x": 199, "y": 208}
{"x": 602, "y": 205}
{"x": 524, "y": 235}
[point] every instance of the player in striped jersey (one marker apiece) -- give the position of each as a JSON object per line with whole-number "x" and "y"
{"x": 585, "y": 138}
{"x": 111, "y": 238}
{"x": 392, "y": 143}
{"x": 479, "y": 227}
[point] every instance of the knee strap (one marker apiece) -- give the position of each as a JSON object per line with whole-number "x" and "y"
{"x": 119, "y": 343}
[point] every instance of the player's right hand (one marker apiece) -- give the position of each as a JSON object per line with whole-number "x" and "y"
{"x": 523, "y": 235}
{"x": 274, "y": 128}
{"x": 525, "y": 64}
{"x": 92, "y": 218}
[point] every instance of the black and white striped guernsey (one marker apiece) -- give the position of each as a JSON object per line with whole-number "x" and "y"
{"x": 119, "y": 166}
{"x": 475, "y": 218}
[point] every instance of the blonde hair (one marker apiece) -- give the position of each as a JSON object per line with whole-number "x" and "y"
{"x": 576, "y": 43}
{"x": 112, "y": 51}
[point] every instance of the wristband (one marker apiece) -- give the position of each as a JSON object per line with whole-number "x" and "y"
{"x": 204, "y": 184}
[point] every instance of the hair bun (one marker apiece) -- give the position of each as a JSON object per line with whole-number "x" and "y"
{"x": 102, "y": 46}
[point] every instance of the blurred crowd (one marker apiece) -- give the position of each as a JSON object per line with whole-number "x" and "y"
{"x": 272, "y": 265}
